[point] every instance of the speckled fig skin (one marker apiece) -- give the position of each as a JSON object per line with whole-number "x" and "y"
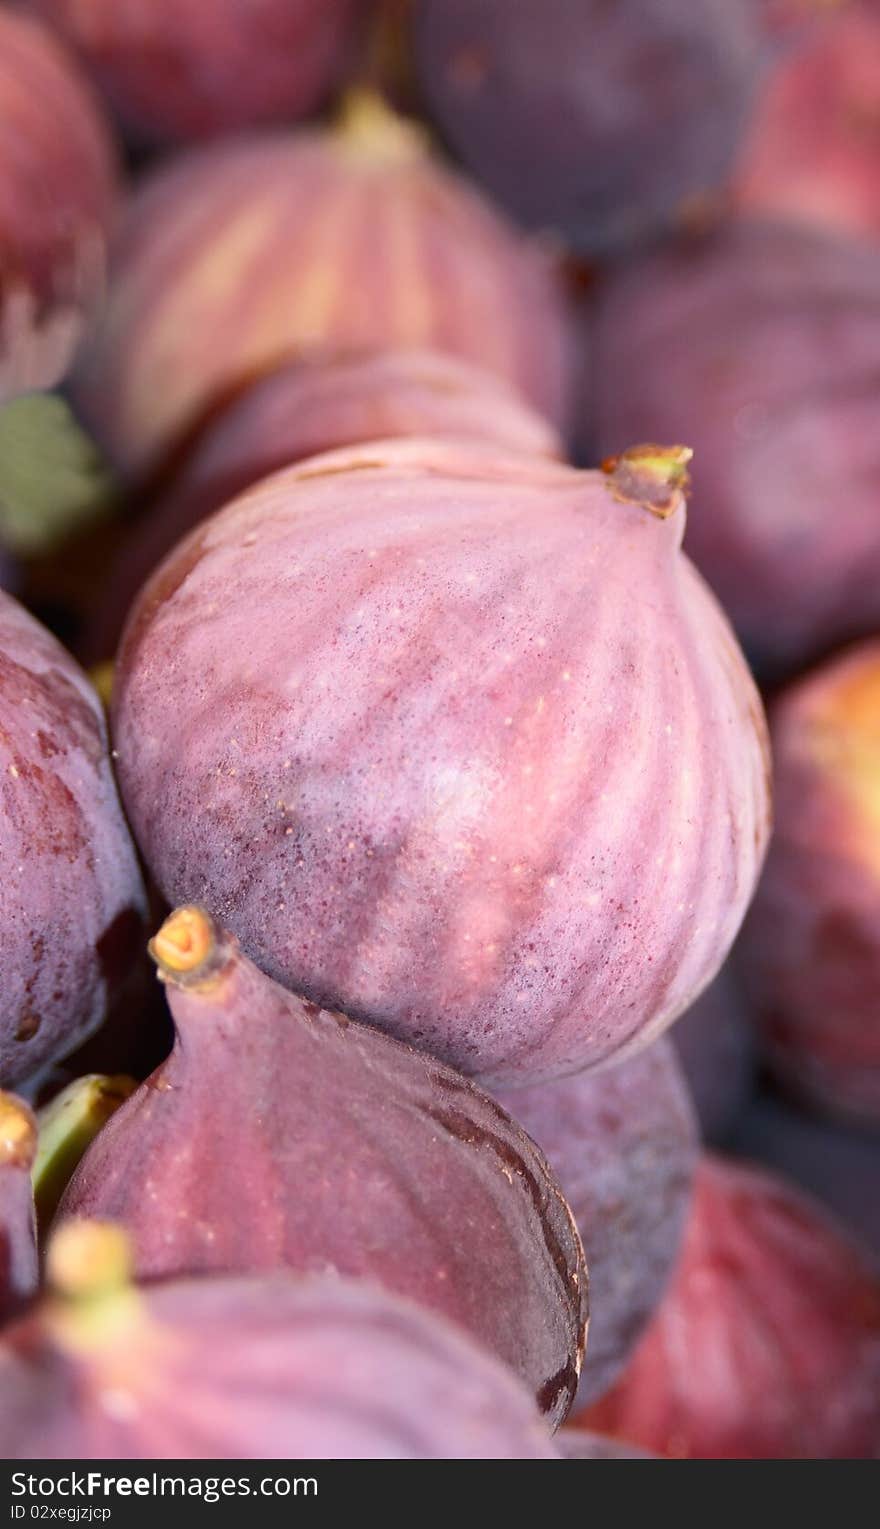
{"x": 767, "y": 1342}
{"x": 248, "y": 253}
{"x": 18, "y": 1236}
{"x": 810, "y": 954}
{"x": 267, "y": 1368}
{"x": 57, "y": 199}
{"x": 715, "y": 1042}
{"x": 176, "y": 70}
{"x": 762, "y": 343}
{"x": 71, "y": 899}
{"x": 623, "y": 1145}
{"x": 313, "y": 406}
{"x": 608, "y": 123}
{"x": 277, "y": 1135}
{"x": 467, "y": 749}
{"x": 813, "y": 150}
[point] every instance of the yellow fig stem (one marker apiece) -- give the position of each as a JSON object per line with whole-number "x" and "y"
{"x": 189, "y": 949}
{"x": 18, "y": 1133}
{"x": 654, "y": 477}
{"x": 91, "y": 1298}
{"x": 371, "y": 129}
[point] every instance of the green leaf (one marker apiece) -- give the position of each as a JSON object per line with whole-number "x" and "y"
{"x": 53, "y": 479}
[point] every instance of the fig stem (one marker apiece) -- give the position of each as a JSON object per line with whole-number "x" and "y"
{"x": 88, "y": 1260}
{"x": 189, "y": 949}
{"x": 18, "y": 1133}
{"x": 372, "y": 129}
{"x": 653, "y": 477}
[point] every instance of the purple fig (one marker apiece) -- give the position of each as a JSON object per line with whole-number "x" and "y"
{"x": 72, "y": 899}
{"x": 277, "y": 1135}
{"x": 469, "y": 751}
{"x": 18, "y": 1236}
{"x": 269, "y": 1368}
{"x": 715, "y": 1041}
{"x": 577, "y": 1444}
{"x": 623, "y": 1145}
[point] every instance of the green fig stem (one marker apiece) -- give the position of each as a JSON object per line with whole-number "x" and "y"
{"x": 371, "y": 129}
{"x": 89, "y": 1267}
{"x": 189, "y": 949}
{"x": 18, "y": 1133}
{"x": 654, "y": 477}
{"x": 67, "y": 1126}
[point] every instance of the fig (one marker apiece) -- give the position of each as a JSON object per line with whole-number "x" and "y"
{"x": 813, "y": 150}
{"x": 577, "y": 1444}
{"x": 18, "y": 1237}
{"x": 762, "y": 342}
{"x": 338, "y": 1149}
{"x": 715, "y": 1042}
{"x": 487, "y": 770}
{"x": 72, "y": 901}
{"x": 266, "y": 1368}
{"x": 177, "y": 70}
{"x": 310, "y": 407}
{"x": 57, "y": 199}
{"x": 244, "y": 254}
{"x": 67, "y": 1125}
{"x": 623, "y": 1145}
{"x": 608, "y": 123}
{"x": 810, "y": 956}
{"x": 767, "y": 1343}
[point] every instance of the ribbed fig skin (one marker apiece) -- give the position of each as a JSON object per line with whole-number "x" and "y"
{"x": 18, "y": 1237}
{"x": 247, "y": 253}
{"x": 277, "y": 1135}
{"x": 761, "y": 344}
{"x": 267, "y": 1368}
{"x": 57, "y": 198}
{"x": 314, "y": 406}
{"x": 813, "y": 151}
{"x": 810, "y": 954}
{"x": 71, "y": 899}
{"x": 469, "y": 751}
{"x": 176, "y": 70}
{"x": 715, "y": 1043}
{"x": 606, "y": 122}
{"x": 623, "y": 1145}
{"x": 767, "y": 1343}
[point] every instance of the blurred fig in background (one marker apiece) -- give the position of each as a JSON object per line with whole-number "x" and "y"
{"x": 70, "y": 891}
{"x": 57, "y": 199}
{"x": 18, "y": 1236}
{"x": 606, "y": 122}
{"x": 267, "y": 1368}
{"x": 577, "y": 1444}
{"x": 623, "y": 1145}
{"x": 454, "y": 739}
{"x": 810, "y": 952}
{"x": 760, "y": 347}
{"x": 308, "y": 407}
{"x": 715, "y": 1041}
{"x": 767, "y": 1342}
{"x": 239, "y": 256}
{"x": 176, "y": 70}
{"x": 813, "y": 151}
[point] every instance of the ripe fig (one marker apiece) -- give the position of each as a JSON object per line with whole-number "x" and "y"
{"x": 72, "y": 900}
{"x": 623, "y": 1145}
{"x": 810, "y": 955}
{"x": 605, "y": 122}
{"x": 488, "y": 771}
{"x": 175, "y": 70}
{"x": 57, "y": 197}
{"x": 813, "y": 150}
{"x": 767, "y": 1343}
{"x": 67, "y": 1125}
{"x": 338, "y": 1149}
{"x": 715, "y": 1041}
{"x": 18, "y": 1237}
{"x": 248, "y": 253}
{"x": 314, "y": 406}
{"x": 577, "y": 1444}
{"x": 269, "y": 1368}
{"x": 762, "y": 342}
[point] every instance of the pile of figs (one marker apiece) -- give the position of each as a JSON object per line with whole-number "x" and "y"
{"x": 439, "y": 729}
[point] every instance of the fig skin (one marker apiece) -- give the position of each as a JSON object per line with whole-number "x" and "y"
{"x": 623, "y": 1145}
{"x": 810, "y": 953}
{"x": 178, "y": 70}
{"x": 606, "y": 123}
{"x": 71, "y": 897}
{"x": 243, "y": 255}
{"x": 715, "y": 1042}
{"x": 19, "y": 1273}
{"x": 447, "y": 780}
{"x": 268, "y": 1368}
{"x": 762, "y": 341}
{"x": 767, "y": 1343}
{"x": 577, "y": 1444}
{"x": 57, "y": 200}
{"x": 277, "y": 1135}
{"x": 309, "y": 407}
